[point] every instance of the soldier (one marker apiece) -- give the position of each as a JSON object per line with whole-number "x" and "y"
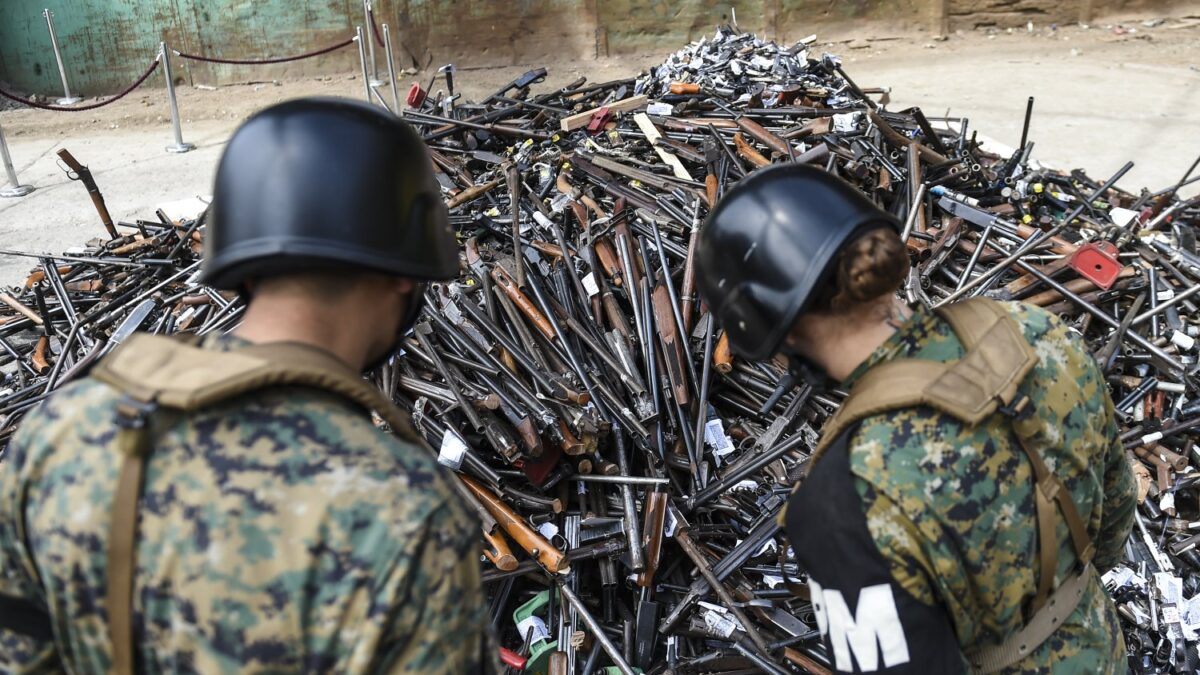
{"x": 963, "y": 499}
{"x": 277, "y": 529}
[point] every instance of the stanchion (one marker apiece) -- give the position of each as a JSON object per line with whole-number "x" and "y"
{"x": 368, "y": 17}
{"x": 362, "y": 59}
{"x": 14, "y": 189}
{"x": 67, "y": 98}
{"x": 179, "y": 146}
{"x": 391, "y": 66}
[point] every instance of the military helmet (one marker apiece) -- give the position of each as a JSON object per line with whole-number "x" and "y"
{"x": 326, "y": 183}
{"x": 769, "y": 247}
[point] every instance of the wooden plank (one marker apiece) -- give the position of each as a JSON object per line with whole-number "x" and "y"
{"x": 579, "y": 120}
{"x": 652, "y": 134}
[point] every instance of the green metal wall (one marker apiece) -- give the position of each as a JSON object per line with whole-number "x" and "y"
{"x": 107, "y": 43}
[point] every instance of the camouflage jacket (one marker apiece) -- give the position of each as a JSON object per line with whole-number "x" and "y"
{"x": 947, "y": 511}
{"x": 278, "y": 531}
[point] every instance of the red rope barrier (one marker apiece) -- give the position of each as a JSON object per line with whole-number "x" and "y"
{"x": 256, "y": 62}
{"x": 93, "y": 106}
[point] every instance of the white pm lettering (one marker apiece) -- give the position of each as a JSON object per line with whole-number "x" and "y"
{"x": 874, "y": 626}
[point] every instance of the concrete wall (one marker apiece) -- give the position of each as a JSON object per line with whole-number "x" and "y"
{"x": 107, "y": 43}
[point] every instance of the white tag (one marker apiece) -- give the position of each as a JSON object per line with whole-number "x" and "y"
{"x": 539, "y": 628}
{"x": 1183, "y": 340}
{"x": 1167, "y": 502}
{"x": 542, "y": 220}
{"x": 590, "y": 285}
{"x": 659, "y": 108}
{"x": 772, "y": 580}
{"x": 719, "y": 623}
{"x": 560, "y": 202}
{"x": 846, "y": 122}
{"x": 1122, "y": 217}
{"x": 1170, "y": 614}
{"x": 1151, "y": 438}
{"x": 452, "y": 451}
{"x": 714, "y": 436}
{"x": 548, "y": 529}
{"x": 1165, "y": 294}
{"x": 745, "y": 485}
{"x": 1170, "y": 588}
{"x": 670, "y": 524}
{"x": 1117, "y": 577}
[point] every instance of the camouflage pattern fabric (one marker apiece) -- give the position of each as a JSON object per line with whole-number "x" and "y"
{"x": 951, "y": 507}
{"x": 277, "y": 532}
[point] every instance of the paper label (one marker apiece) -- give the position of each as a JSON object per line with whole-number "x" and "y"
{"x": 1170, "y": 587}
{"x": 1165, "y": 294}
{"x": 540, "y": 633}
{"x": 590, "y": 285}
{"x": 669, "y": 524}
{"x": 1167, "y": 502}
{"x": 714, "y": 436}
{"x": 846, "y": 122}
{"x": 719, "y": 623}
{"x": 548, "y": 529}
{"x": 452, "y": 451}
{"x": 659, "y": 108}
{"x": 1170, "y": 614}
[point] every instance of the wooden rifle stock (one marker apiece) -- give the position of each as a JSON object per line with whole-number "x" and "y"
{"x": 747, "y": 151}
{"x": 498, "y": 551}
{"x": 514, "y": 526}
{"x": 506, "y": 283}
{"x": 723, "y": 355}
{"x": 84, "y": 175}
{"x": 654, "y": 519}
{"x": 664, "y": 319}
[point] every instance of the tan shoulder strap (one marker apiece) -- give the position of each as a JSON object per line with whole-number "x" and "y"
{"x": 997, "y": 359}
{"x": 156, "y": 373}
{"x": 173, "y": 374}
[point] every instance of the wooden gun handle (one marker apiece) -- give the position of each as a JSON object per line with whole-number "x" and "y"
{"x": 526, "y": 537}
{"x": 747, "y": 151}
{"x": 523, "y": 303}
{"x": 723, "y": 355}
{"x": 498, "y": 551}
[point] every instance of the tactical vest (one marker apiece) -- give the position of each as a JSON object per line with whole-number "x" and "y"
{"x": 160, "y": 378}
{"x": 984, "y": 382}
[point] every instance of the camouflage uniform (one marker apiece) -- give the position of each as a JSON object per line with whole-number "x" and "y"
{"x": 950, "y": 508}
{"x": 279, "y": 531}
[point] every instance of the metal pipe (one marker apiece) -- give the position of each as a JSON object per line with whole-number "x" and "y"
{"x": 14, "y": 189}
{"x": 362, "y": 60}
{"x": 373, "y": 80}
{"x": 594, "y": 626}
{"x": 67, "y": 98}
{"x": 391, "y": 67}
{"x": 179, "y": 146}
{"x": 626, "y": 480}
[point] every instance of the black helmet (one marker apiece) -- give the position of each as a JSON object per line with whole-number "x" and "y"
{"x": 765, "y": 250}
{"x": 326, "y": 183}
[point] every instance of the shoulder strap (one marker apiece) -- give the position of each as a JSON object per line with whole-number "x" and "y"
{"x": 998, "y": 358}
{"x": 156, "y": 374}
{"x": 173, "y": 374}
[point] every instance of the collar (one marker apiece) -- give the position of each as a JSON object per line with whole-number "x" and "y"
{"x": 903, "y": 343}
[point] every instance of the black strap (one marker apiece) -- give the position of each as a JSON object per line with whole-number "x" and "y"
{"x": 23, "y": 617}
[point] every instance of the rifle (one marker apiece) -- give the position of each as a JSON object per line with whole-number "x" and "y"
{"x": 79, "y": 172}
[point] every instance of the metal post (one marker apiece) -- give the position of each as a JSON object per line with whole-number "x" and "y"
{"x": 362, "y": 60}
{"x": 179, "y": 145}
{"x": 67, "y": 98}
{"x": 374, "y": 79}
{"x": 391, "y": 66}
{"x": 15, "y": 189}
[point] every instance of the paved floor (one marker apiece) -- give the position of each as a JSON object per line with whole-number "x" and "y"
{"x": 1101, "y": 99}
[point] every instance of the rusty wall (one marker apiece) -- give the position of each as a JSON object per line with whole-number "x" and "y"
{"x": 107, "y": 43}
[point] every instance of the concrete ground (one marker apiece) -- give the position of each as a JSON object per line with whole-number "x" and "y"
{"x": 1104, "y": 95}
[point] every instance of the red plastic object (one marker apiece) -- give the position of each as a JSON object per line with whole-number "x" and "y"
{"x": 536, "y": 470}
{"x": 416, "y": 95}
{"x": 1098, "y": 263}
{"x": 512, "y": 659}
{"x": 599, "y": 119}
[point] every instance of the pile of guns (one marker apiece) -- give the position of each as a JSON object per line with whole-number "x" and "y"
{"x": 627, "y": 468}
